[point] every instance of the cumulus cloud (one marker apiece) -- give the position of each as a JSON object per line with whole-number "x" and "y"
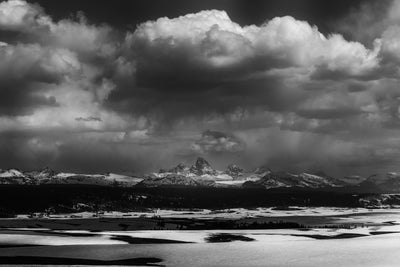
{"x": 213, "y": 40}
{"x": 19, "y": 15}
{"x": 205, "y": 64}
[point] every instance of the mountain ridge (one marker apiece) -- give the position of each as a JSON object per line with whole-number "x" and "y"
{"x": 201, "y": 173}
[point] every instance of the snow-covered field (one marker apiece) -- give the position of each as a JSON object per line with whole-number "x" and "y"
{"x": 270, "y": 248}
{"x": 375, "y": 244}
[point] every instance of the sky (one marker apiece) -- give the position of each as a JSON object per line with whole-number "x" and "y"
{"x": 134, "y": 86}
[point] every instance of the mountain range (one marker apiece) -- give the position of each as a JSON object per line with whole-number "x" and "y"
{"x": 201, "y": 173}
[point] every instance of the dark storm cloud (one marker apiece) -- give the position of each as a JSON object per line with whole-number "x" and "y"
{"x": 20, "y": 101}
{"x": 25, "y": 71}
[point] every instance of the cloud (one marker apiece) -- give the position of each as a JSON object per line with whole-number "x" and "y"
{"x": 205, "y": 64}
{"x": 217, "y": 142}
{"x": 47, "y": 64}
{"x": 370, "y": 20}
{"x": 21, "y": 16}
{"x": 77, "y": 35}
{"x": 24, "y": 69}
{"x": 90, "y": 118}
{"x": 391, "y": 44}
{"x": 32, "y": 62}
{"x": 382, "y": 19}
{"x": 213, "y": 40}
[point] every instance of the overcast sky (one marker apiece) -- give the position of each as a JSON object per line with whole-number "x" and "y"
{"x": 300, "y": 85}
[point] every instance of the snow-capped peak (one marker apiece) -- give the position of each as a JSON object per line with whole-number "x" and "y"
{"x": 11, "y": 173}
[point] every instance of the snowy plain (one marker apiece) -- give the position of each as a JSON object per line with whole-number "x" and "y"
{"x": 376, "y": 243}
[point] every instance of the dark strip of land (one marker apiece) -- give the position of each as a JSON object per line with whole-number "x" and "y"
{"x": 339, "y": 236}
{"x": 30, "y": 260}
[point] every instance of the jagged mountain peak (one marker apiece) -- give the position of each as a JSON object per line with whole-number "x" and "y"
{"x": 201, "y": 162}
{"x": 234, "y": 170}
{"x": 47, "y": 171}
{"x": 201, "y": 167}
